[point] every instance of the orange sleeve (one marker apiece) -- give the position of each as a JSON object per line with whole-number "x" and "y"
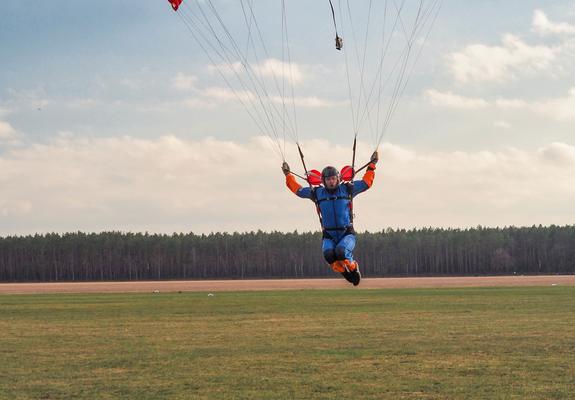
{"x": 369, "y": 175}
{"x": 292, "y": 184}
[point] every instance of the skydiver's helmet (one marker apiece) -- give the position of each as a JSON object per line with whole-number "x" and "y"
{"x": 329, "y": 172}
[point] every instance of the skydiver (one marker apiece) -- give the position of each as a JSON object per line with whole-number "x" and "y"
{"x": 333, "y": 200}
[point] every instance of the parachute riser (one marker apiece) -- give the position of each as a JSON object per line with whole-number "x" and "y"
{"x": 363, "y": 167}
{"x": 353, "y": 158}
{"x": 299, "y": 176}
{"x": 338, "y": 39}
{"x": 303, "y": 163}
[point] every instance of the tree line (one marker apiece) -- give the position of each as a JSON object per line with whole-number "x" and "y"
{"x": 110, "y": 256}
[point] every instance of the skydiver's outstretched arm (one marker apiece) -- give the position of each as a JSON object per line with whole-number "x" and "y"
{"x": 367, "y": 179}
{"x": 296, "y": 188}
{"x": 291, "y": 183}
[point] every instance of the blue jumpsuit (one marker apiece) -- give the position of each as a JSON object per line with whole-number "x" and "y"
{"x": 336, "y": 217}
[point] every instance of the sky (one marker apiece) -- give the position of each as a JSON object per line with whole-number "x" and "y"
{"x": 112, "y": 117}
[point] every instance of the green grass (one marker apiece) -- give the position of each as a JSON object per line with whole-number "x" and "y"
{"x": 492, "y": 343}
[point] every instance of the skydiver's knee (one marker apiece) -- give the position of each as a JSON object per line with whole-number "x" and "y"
{"x": 329, "y": 256}
{"x": 340, "y": 253}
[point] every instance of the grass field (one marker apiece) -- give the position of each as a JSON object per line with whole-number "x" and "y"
{"x": 480, "y": 343}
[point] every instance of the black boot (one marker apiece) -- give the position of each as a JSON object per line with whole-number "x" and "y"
{"x": 348, "y": 276}
{"x": 355, "y": 274}
{"x": 353, "y": 277}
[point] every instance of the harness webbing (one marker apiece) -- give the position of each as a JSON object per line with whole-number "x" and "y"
{"x": 315, "y": 200}
{"x": 349, "y": 187}
{"x": 333, "y": 198}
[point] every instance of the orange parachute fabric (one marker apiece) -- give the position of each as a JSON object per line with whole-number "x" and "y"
{"x": 175, "y": 4}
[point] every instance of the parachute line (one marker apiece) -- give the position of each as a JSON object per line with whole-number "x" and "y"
{"x": 377, "y": 98}
{"x": 397, "y": 30}
{"x": 209, "y": 30}
{"x": 263, "y": 122}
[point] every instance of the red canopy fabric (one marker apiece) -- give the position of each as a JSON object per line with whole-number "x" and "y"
{"x": 175, "y": 4}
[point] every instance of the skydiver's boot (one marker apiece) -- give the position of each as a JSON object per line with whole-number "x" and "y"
{"x": 353, "y": 274}
{"x": 338, "y": 266}
{"x": 341, "y": 267}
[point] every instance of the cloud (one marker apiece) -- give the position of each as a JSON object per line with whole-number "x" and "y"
{"x": 481, "y": 63}
{"x": 196, "y": 103}
{"x": 502, "y": 124}
{"x": 132, "y": 83}
{"x": 173, "y": 184}
{"x": 7, "y": 132}
{"x": 184, "y": 82}
{"x": 451, "y": 100}
{"x": 269, "y": 68}
{"x": 249, "y": 97}
{"x": 4, "y": 111}
{"x": 227, "y": 69}
{"x": 28, "y": 98}
{"x": 558, "y": 153}
{"x": 275, "y": 68}
{"x": 558, "y": 109}
{"x": 224, "y": 94}
{"x": 309, "y": 102}
{"x": 543, "y": 26}
{"x": 486, "y": 187}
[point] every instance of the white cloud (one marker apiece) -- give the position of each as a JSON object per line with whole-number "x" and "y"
{"x": 502, "y": 124}
{"x": 309, "y": 102}
{"x": 514, "y": 58}
{"x": 227, "y": 69}
{"x": 82, "y": 103}
{"x": 7, "y": 132}
{"x": 559, "y": 153}
{"x": 15, "y": 208}
{"x": 184, "y": 82}
{"x": 172, "y": 184}
{"x": 196, "y": 103}
{"x": 269, "y": 68}
{"x": 132, "y": 83}
{"x": 544, "y": 26}
{"x": 224, "y": 94}
{"x": 29, "y": 98}
{"x": 248, "y": 97}
{"x": 512, "y": 104}
{"x": 4, "y": 112}
{"x": 558, "y": 109}
{"x": 272, "y": 67}
{"x": 451, "y": 100}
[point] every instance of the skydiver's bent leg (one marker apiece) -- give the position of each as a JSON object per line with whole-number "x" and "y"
{"x": 339, "y": 252}
{"x": 344, "y": 250}
{"x": 328, "y": 248}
